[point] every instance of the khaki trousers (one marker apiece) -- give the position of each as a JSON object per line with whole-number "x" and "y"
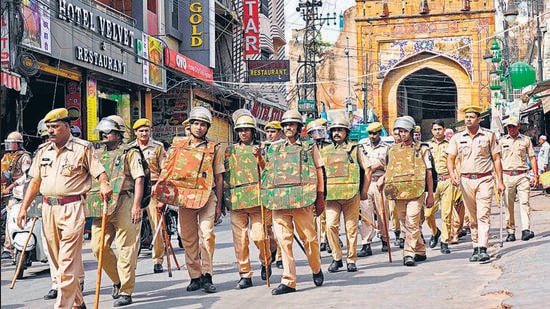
{"x": 284, "y": 221}
{"x": 517, "y": 185}
{"x": 350, "y": 209}
{"x": 63, "y": 228}
{"x": 125, "y": 234}
{"x": 371, "y": 204}
{"x": 411, "y": 211}
{"x": 198, "y": 224}
{"x": 394, "y": 218}
{"x": 444, "y": 194}
{"x": 477, "y": 195}
{"x": 240, "y": 221}
{"x": 158, "y": 245}
{"x": 273, "y": 245}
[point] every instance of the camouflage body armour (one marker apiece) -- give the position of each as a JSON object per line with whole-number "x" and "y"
{"x": 187, "y": 177}
{"x": 342, "y": 171}
{"x": 289, "y": 179}
{"x": 405, "y": 173}
{"x": 113, "y": 162}
{"x": 240, "y": 186}
{"x": 9, "y": 161}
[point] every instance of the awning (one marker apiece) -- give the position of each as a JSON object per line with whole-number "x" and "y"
{"x": 11, "y": 80}
{"x": 529, "y": 91}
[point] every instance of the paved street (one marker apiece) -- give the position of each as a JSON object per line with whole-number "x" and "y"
{"x": 516, "y": 277}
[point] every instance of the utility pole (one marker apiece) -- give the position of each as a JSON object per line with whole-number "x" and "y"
{"x": 539, "y": 41}
{"x": 306, "y": 75}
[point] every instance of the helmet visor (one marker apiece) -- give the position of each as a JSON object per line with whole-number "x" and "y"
{"x": 106, "y": 125}
{"x": 11, "y": 145}
{"x": 318, "y": 133}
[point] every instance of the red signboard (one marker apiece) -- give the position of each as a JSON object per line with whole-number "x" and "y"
{"x": 265, "y": 112}
{"x": 251, "y": 28}
{"x": 184, "y": 64}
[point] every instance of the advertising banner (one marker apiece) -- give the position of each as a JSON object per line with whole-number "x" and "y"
{"x": 73, "y": 102}
{"x": 5, "y": 40}
{"x": 251, "y": 27}
{"x": 36, "y": 25}
{"x": 91, "y": 109}
{"x": 270, "y": 71}
{"x": 153, "y": 73}
{"x": 186, "y": 65}
{"x": 199, "y": 34}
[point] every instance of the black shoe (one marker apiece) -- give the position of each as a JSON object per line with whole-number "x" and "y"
{"x": 263, "y": 273}
{"x": 279, "y": 264}
{"x": 52, "y": 294}
{"x": 365, "y": 251}
{"x": 83, "y": 306}
{"x": 207, "y": 284}
{"x": 384, "y": 245}
{"x": 6, "y": 255}
{"x": 244, "y": 283}
{"x": 462, "y": 233}
{"x": 335, "y": 265}
{"x": 318, "y": 278}
{"x": 419, "y": 258}
{"x": 468, "y": 230}
{"x": 329, "y": 250}
{"x": 194, "y": 285}
{"x": 157, "y": 268}
{"x": 483, "y": 256}
{"x": 82, "y": 286}
{"x": 273, "y": 255}
{"x": 475, "y": 255}
{"x": 435, "y": 239}
{"x": 445, "y": 248}
{"x": 116, "y": 291}
{"x": 511, "y": 237}
{"x": 323, "y": 246}
{"x": 408, "y": 261}
{"x": 282, "y": 289}
{"x": 527, "y": 234}
{"x": 123, "y": 300}
{"x": 401, "y": 243}
{"x": 352, "y": 268}
{"x": 396, "y": 242}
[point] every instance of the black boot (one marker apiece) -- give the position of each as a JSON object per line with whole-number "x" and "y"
{"x": 329, "y": 250}
{"x": 397, "y": 233}
{"x": 475, "y": 255}
{"x": 335, "y": 266}
{"x": 323, "y": 246}
{"x": 365, "y": 251}
{"x": 435, "y": 239}
{"x": 483, "y": 256}
{"x": 207, "y": 284}
{"x": 445, "y": 248}
{"x": 384, "y": 245}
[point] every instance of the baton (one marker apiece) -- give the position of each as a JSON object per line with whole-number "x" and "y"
{"x": 20, "y": 264}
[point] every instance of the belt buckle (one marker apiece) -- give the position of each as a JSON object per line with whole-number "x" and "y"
{"x": 473, "y": 176}
{"x": 515, "y": 173}
{"x": 53, "y": 201}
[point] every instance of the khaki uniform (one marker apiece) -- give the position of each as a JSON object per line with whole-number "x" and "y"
{"x": 198, "y": 224}
{"x": 65, "y": 174}
{"x": 155, "y": 155}
{"x": 445, "y": 192}
{"x": 476, "y": 181}
{"x": 285, "y": 220}
{"x": 120, "y": 230}
{"x": 514, "y": 155}
{"x": 375, "y": 155}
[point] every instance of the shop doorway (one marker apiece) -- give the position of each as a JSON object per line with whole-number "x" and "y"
{"x": 107, "y": 108}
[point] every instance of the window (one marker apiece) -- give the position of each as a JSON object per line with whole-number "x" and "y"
{"x": 264, "y": 7}
{"x": 152, "y": 6}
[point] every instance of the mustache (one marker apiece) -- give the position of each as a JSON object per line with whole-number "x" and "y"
{"x": 52, "y": 135}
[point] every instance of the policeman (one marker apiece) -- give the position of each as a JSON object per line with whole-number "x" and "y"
{"x": 445, "y": 191}
{"x": 515, "y": 148}
{"x": 155, "y": 155}
{"x": 273, "y": 134}
{"x": 15, "y": 164}
{"x": 201, "y": 180}
{"x": 417, "y": 134}
{"x": 376, "y": 152}
{"x": 186, "y": 128}
{"x": 292, "y": 182}
{"x": 342, "y": 192}
{"x": 123, "y": 220}
{"x": 62, "y": 171}
{"x": 243, "y": 161}
{"x": 478, "y": 152}
{"x": 408, "y": 181}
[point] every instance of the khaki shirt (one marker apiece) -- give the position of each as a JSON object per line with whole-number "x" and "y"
{"x": 155, "y": 155}
{"x": 315, "y": 153}
{"x": 68, "y": 173}
{"x": 375, "y": 155}
{"x": 439, "y": 153}
{"x": 514, "y": 152}
{"x": 474, "y": 152}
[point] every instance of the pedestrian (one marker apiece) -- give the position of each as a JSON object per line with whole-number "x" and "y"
{"x": 15, "y": 163}
{"x": 292, "y": 182}
{"x": 62, "y": 171}
{"x": 408, "y": 180}
{"x": 274, "y": 134}
{"x": 376, "y": 152}
{"x": 243, "y": 162}
{"x": 516, "y": 148}
{"x": 543, "y": 158}
{"x": 479, "y": 156}
{"x": 445, "y": 192}
{"x": 123, "y": 221}
{"x": 192, "y": 178}
{"x": 343, "y": 180}
{"x": 155, "y": 155}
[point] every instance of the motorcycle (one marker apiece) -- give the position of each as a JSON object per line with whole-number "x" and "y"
{"x": 34, "y": 251}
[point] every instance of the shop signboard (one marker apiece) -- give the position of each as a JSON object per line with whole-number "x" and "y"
{"x": 153, "y": 73}
{"x": 264, "y": 112}
{"x": 306, "y": 106}
{"x": 268, "y": 71}
{"x": 198, "y": 38}
{"x": 169, "y": 111}
{"x": 5, "y": 40}
{"x": 188, "y": 66}
{"x": 251, "y": 28}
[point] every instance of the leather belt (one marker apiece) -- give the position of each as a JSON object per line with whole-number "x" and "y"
{"x": 443, "y": 177}
{"x": 61, "y": 200}
{"x": 476, "y": 176}
{"x": 514, "y": 173}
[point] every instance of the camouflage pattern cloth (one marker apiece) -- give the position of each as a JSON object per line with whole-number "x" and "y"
{"x": 241, "y": 178}
{"x": 342, "y": 172}
{"x": 113, "y": 162}
{"x": 405, "y": 172}
{"x": 289, "y": 179}
{"x": 187, "y": 176}
{"x": 9, "y": 164}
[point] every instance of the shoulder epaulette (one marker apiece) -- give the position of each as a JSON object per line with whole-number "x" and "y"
{"x": 82, "y": 142}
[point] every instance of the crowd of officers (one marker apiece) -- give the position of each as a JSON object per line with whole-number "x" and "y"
{"x": 274, "y": 189}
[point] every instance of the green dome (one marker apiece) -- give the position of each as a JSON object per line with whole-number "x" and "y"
{"x": 522, "y": 75}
